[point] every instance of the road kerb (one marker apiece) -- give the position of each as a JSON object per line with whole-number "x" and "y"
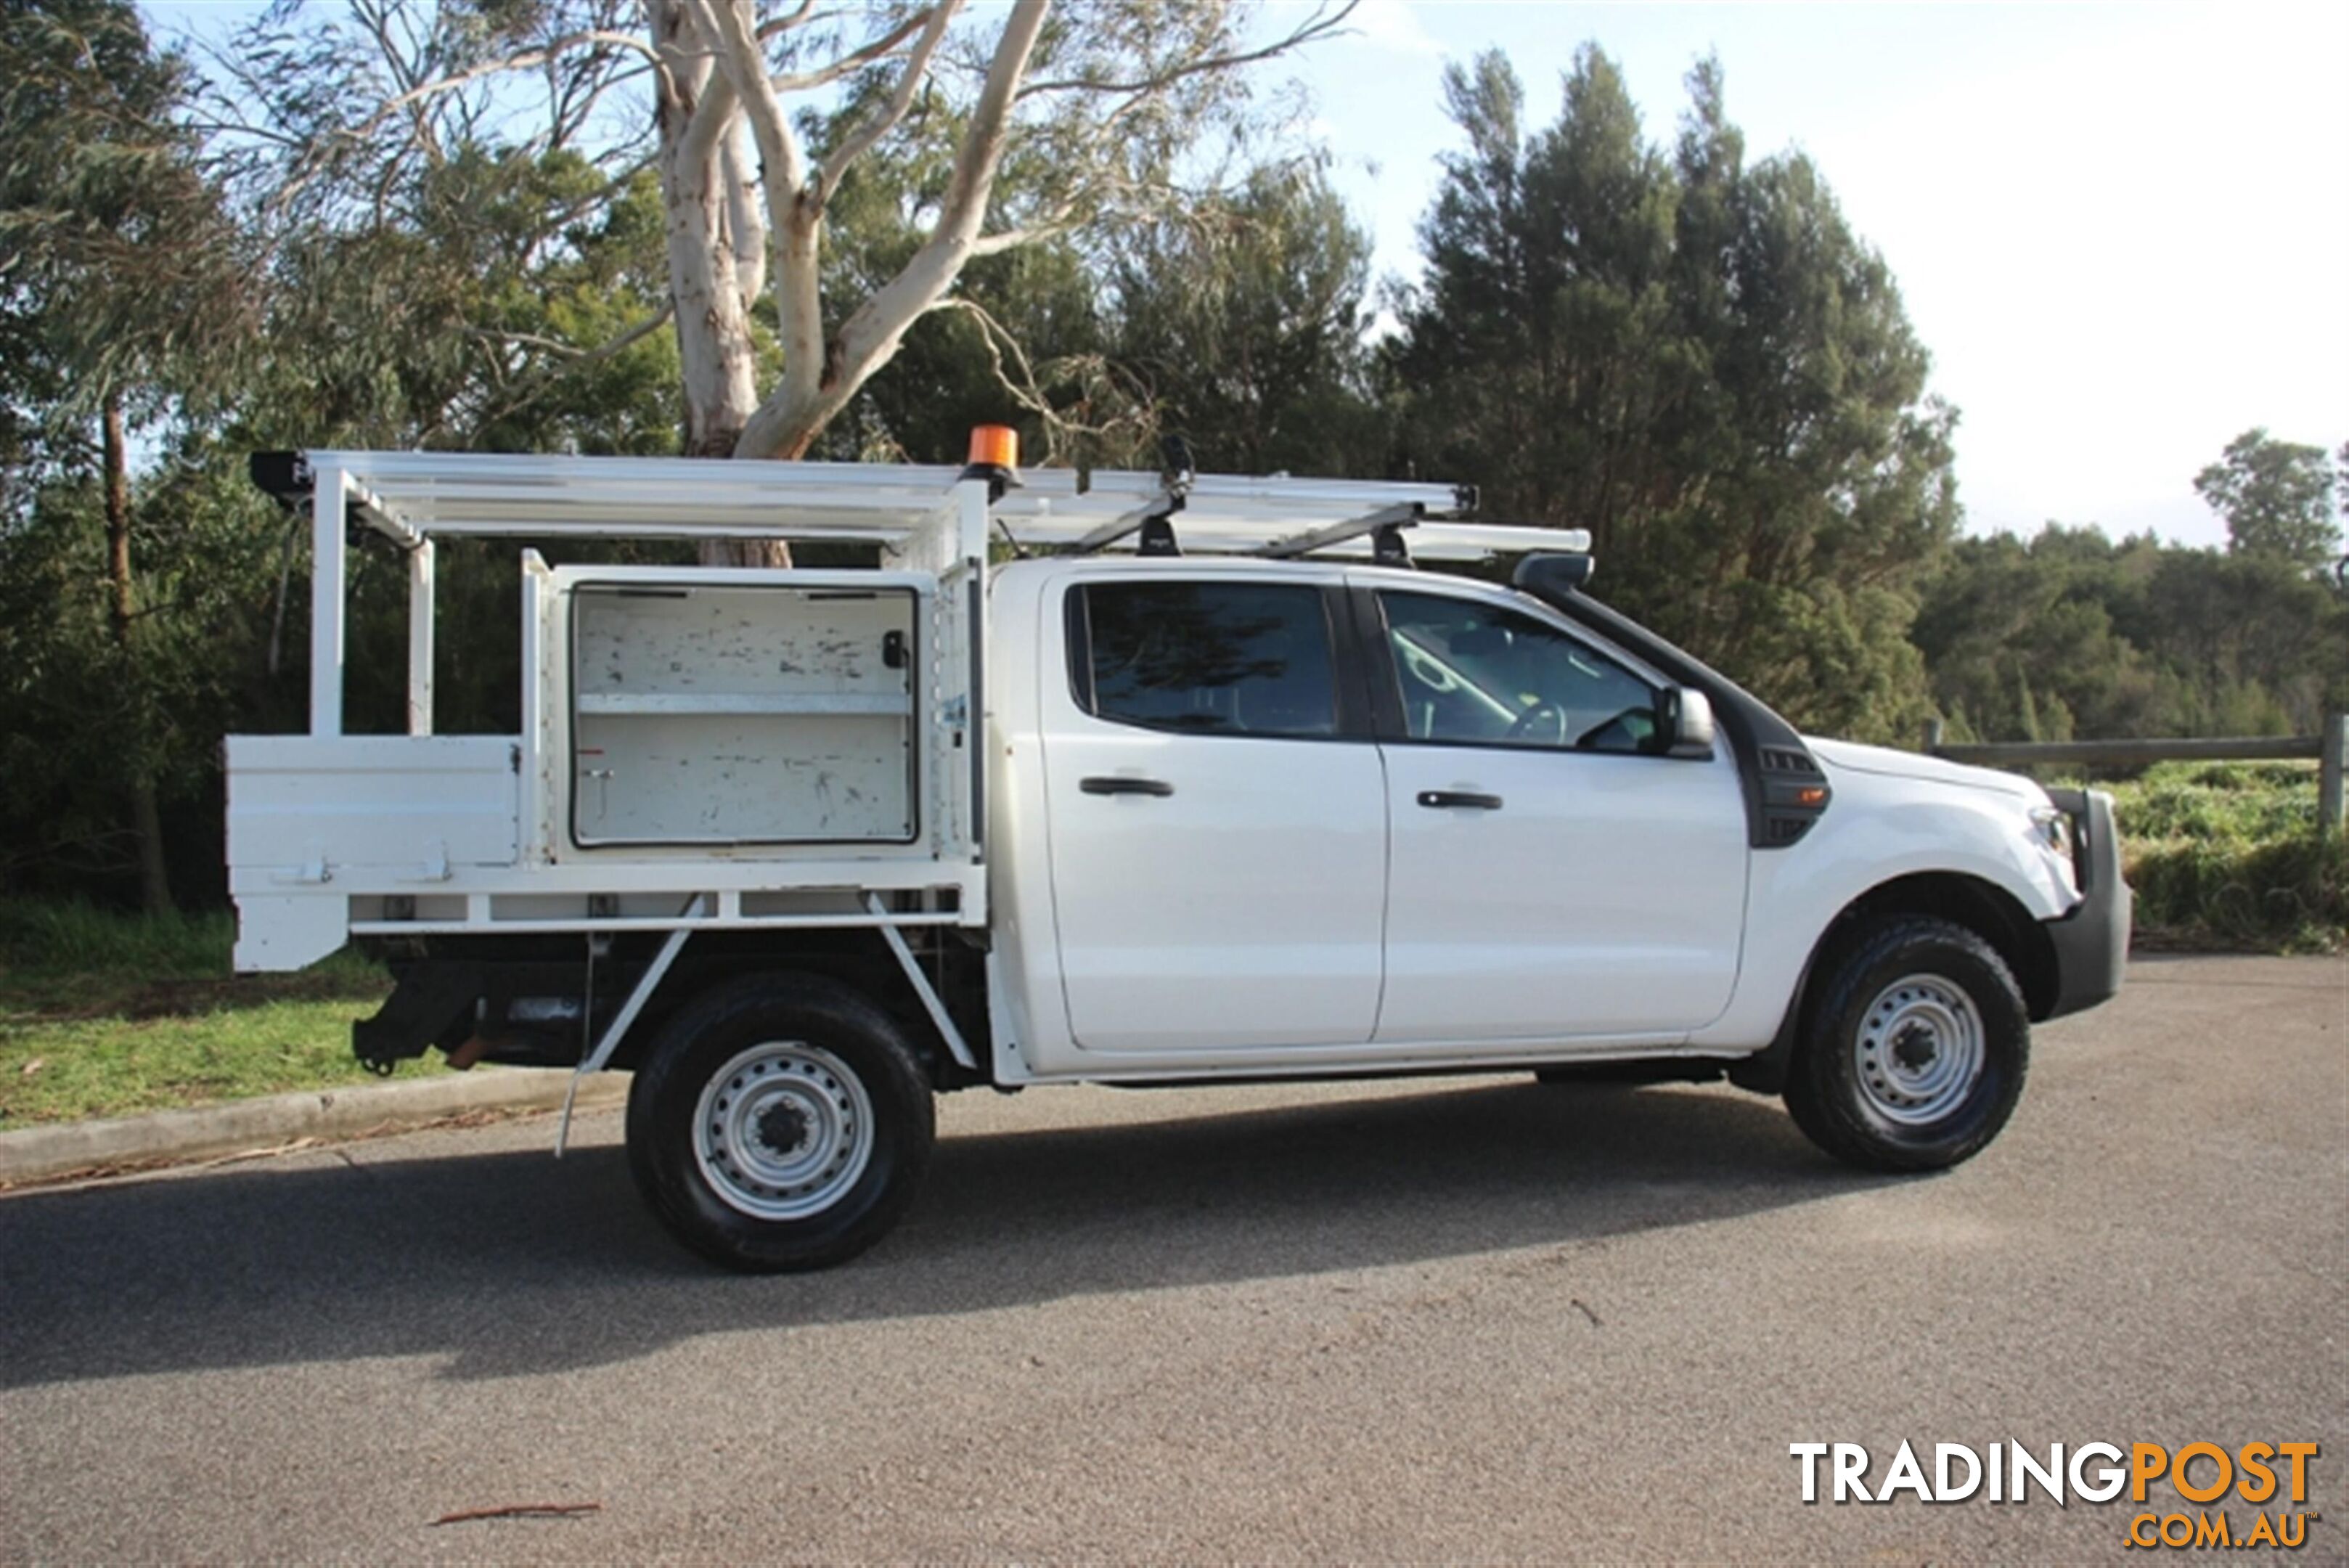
{"x": 44, "y": 1154}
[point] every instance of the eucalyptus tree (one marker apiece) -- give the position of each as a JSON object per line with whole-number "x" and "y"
{"x": 1055, "y": 119}
{"x": 122, "y": 297}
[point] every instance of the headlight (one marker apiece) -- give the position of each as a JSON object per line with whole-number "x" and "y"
{"x": 2052, "y": 828}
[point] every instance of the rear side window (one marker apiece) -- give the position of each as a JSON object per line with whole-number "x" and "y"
{"x": 1207, "y": 657}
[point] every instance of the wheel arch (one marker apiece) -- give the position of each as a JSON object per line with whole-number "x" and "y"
{"x": 1972, "y": 902}
{"x": 853, "y": 958}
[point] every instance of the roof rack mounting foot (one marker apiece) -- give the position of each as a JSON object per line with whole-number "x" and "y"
{"x": 1158, "y": 536}
{"x": 1156, "y": 511}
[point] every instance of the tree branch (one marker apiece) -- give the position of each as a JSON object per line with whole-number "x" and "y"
{"x": 981, "y": 152}
{"x": 860, "y": 141}
{"x": 575, "y": 95}
{"x": 793, "y": 223}
{"x": 573, "y": 356}
{"x": 1012, "y": 239}
{"x": 521, "y": 61}
{"x": 741, "y": 62}
{"x": 1028, "y": 390}
{"x": 859, "y": 59}
{"x": 784, "y": 24}
{"x": 998, "y": 338}
{"x": 242, "y": 127}
{"x": 867, "y": 340}
{"x": 1316, "y": 27}
{"x": 746, "y": 226}
{"x": 713, "y": 117}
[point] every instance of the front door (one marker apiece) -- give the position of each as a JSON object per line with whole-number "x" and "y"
{"x": 1553, "y": 876}
{"x": 1217, "y": 817}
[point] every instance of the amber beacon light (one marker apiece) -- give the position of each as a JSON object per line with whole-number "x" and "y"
{"x": 994, "y": 446}
{"x": 995, "y": 458}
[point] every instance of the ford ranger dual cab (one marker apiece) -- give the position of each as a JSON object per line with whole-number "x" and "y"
{"x": 1212, "y": 779}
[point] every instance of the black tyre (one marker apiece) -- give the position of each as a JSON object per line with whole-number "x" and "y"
{"x": 780, "y": 1121}
{"x": 1914, "y": 1053}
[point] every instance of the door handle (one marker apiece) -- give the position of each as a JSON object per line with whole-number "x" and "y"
{"x": 1123, "y": 785}
{"x": 1439, "y": 799}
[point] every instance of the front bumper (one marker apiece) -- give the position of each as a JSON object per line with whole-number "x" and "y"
{"x": 2092, "y": 941}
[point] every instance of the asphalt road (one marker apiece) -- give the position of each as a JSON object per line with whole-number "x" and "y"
{"x": 1467, "y": 1318}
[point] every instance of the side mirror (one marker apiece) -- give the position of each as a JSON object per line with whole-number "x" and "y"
{"x": 1685, "y": 722}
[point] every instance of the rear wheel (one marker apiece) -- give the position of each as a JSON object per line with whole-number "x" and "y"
{"x": 782, "y": 1122}
{"x": 1914, "y": 1055}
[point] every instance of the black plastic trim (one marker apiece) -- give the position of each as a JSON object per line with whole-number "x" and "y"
{"x": 2092, "y": 941}
{"x": 1765, "y": 1071}
{"x": 1387, "y": 721}
{"x": 285, "y": 475}
{"x": 1121, "y": 784}
{"x": 1077, "y": 625}
{"x": 1348, "y": 655}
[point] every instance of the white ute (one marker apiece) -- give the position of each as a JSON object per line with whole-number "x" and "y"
{"x": 1149, "y": 780}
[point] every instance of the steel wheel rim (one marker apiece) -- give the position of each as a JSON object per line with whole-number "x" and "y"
{"x": 1919, "y": 1050}
{"x": 782, "y": 1131}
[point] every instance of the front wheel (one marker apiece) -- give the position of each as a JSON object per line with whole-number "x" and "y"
{"x": 1914, "y": 1055}
{"x": 779, "y": 1123}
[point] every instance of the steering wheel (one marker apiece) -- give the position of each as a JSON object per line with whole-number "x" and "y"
{"x": 1525, "y": 720}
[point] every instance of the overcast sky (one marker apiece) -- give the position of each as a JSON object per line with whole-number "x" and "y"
{"x": 2123, "y": 230}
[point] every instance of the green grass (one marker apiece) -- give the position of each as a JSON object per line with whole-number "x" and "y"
{"x": 2226, "y": 855}
{"x": 105, "y": 1014}
{"x": 38, "y": 937}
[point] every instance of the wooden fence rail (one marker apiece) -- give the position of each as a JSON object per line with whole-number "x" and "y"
{"x": 2331, "y": 750}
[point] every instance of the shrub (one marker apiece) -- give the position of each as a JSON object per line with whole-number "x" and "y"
{"x": 2228, "y": 854}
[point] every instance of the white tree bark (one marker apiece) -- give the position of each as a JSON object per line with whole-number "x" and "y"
{"x": 822, "y": 372}
{"x": 1119, "y": 90}
{"x": 709, "y": 223}
{"x": 746, "y": 226}
{"x": 798, "y": 409}
{"x": 717, "y": 77}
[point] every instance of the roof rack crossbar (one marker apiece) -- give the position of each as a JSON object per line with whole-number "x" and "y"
{"x": 1158, "y": 508}
{"x": 1401, "y": 515}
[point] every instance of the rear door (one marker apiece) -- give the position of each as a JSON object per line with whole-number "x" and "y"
{"x": 1218, "y": 813}
{"x": 1552, "y": 875}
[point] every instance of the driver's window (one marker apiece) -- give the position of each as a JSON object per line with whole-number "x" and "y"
{"x": 1476, "y": 674}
